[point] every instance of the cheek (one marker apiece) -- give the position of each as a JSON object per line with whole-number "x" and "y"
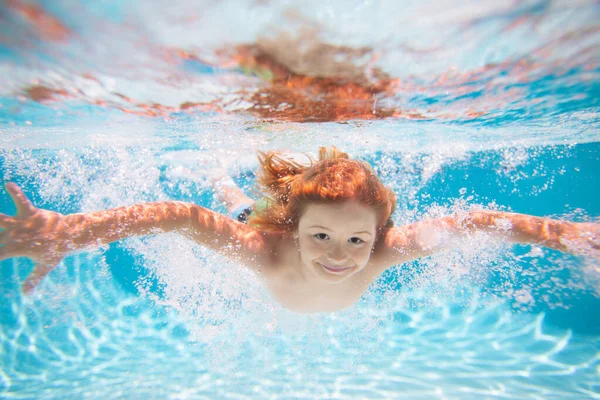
{"x": 363, "y": 254}
{"x": 307, "y": 248}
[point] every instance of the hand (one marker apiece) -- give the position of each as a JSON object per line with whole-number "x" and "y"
{"x": 33, "y": 233}
{"x": 581, "y": 238}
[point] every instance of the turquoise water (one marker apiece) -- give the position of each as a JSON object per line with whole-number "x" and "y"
{"x": 508, "y": 96}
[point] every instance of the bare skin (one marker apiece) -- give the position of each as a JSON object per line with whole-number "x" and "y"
{"x": 324, "y": 266}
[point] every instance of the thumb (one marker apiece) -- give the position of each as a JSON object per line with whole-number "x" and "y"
{"x": 39, "y": 272}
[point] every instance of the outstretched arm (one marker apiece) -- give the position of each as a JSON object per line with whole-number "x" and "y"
{"x": 46, "y": 237}
{"x": 409, "y": 242}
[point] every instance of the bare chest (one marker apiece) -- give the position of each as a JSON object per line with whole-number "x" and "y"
{"x": 298, "y": 295}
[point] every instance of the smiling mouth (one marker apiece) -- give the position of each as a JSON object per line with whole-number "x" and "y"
{"x": 336, "y": 270}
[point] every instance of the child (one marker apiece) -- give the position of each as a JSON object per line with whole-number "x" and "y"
{"x": 320, "y": 238}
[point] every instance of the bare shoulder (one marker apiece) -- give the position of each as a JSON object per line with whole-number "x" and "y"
{"x": 278, "y": 249}
{"x": 395, "y": 246}
{"x": 284, "y": 249}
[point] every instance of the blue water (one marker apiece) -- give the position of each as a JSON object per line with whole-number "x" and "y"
{"x": 509, "y": 99}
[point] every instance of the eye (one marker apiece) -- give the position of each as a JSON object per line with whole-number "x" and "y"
{"x": 321, "y": 236}
{"x": 355, "y": 240}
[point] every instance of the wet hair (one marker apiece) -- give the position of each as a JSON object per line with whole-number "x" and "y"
{"x": 289, "y": 186}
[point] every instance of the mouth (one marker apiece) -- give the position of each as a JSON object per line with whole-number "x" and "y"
{"x": 335, "y": 270}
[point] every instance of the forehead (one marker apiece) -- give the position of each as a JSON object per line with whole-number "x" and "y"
{"x": 347, "y": 216}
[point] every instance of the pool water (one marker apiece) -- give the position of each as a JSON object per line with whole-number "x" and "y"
{"x": 468, "y": 105}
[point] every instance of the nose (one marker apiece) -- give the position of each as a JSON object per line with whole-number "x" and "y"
{"x": 336, "y": 253}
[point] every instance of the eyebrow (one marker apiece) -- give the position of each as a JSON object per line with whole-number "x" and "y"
{"x": 327, "y": 229}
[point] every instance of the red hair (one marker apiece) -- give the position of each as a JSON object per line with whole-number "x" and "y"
{"x": 334, "y": 177}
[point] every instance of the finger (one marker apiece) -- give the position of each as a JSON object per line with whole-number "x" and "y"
{"x": 39, "y": 272}
{"x": 24, "y": 206}
{"x": 591, "y": 232}
{"x": 6, "y": 220}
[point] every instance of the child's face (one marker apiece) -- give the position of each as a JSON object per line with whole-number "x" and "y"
{"x": 335, "y": 240}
